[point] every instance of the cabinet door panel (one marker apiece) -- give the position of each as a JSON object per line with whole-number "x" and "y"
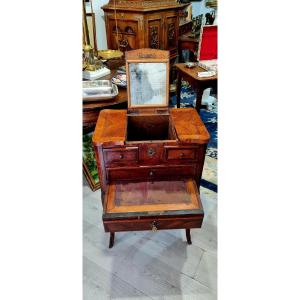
{"x": 154, "y": 33}
{"x": 126, "y": 32}
{"x": 171, "y": 33}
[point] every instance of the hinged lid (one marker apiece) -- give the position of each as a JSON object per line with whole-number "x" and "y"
{"x": 147, "y": 72}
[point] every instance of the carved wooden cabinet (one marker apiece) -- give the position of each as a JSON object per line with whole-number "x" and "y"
{"x": 150, "y": 157}
{"x": 143, "y": 24}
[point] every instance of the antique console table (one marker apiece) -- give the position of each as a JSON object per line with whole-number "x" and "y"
{"x": 198, "y": 84}
{"x": 138, "y": 24}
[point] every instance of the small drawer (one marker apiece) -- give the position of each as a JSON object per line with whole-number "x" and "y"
{"x": 123, "y": 156}
{"x": 181, "y": 153}
{"x": 148, "y": 173}
{"x": 153, "y": 224}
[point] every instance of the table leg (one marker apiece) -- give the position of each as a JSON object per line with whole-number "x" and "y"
{"x": 111, "y": 239}
{"x": 199, "y": 94}
{"x": 188, "y": 236}
{"x": 180, "y": 52}
{"x": 178, "y": 89}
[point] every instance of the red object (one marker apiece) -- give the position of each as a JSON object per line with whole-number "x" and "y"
{"x": 208, "y": 44}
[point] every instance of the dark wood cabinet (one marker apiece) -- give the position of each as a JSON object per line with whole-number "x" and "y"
{"x": 143, "y": 24}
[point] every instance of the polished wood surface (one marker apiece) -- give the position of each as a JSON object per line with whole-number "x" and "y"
{"x": 189, "y": 127}
{"x": 193, "y": 72}
{"x": 143, "y": 24}
{"x": 198, "y": 84}
{"x": 150, "y": 178}
{"x": 150, "y": 163}
{"x": 110, "y": 127}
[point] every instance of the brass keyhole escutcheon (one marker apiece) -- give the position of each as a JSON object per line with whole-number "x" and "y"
{"x": 154, "y": 226}
{"x": 151, "y": 152}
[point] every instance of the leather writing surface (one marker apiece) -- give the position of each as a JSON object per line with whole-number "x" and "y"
{"x": 158, "y": 192}
{"x": 147, "y": 196}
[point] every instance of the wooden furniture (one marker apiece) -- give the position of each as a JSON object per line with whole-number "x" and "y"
{"x": 185, "y": 27}
{"x": 189, "y": 43}
{"x": 142, "y": 24}
{"x": 197, "y": 83}
{"x": 150, "y": 158}
{"x": 90, "y": 113}
{"x": 90, "y": 110}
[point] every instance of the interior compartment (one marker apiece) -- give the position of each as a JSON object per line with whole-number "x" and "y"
{"x": 149, "y": 128}
{"x": 132, "y": 197}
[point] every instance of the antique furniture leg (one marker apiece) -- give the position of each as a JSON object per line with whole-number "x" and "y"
{"x": 199, "y": 94}
{"x": 188, "y": 236}
{"x": 111, "y": 239}
{"x": 180, "y": 52}
{"x": 178, "y": 88}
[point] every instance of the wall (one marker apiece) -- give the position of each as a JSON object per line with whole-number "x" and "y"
{"x": 100, "y": 24}
{"x": 199, "y": 8}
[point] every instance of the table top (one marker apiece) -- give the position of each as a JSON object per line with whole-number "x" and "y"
{"x": 193, "y": 72}
{"x": 186, "y": 38}
{"x": 120, "y": 98}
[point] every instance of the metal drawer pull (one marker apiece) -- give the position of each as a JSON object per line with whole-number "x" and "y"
{"x": 151, "y": 152}
{"x": 151, "y": 173}
{"x": 153, "y": 226}
{"x": 181, "y": 155}
{"x": 121, "y": 156}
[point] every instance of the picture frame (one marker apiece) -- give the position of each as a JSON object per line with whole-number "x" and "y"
{"x": 89, "y": 163}
{"x": 91, "y": 24}
{"x": 147, "y": 73}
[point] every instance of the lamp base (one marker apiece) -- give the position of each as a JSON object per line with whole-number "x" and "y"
{"x": 91, "y": 75}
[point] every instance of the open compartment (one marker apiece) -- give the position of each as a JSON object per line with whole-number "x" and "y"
{"x": 149, "y": 128}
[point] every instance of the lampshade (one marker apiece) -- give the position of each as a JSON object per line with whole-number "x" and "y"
{"x": 211, "y": 3}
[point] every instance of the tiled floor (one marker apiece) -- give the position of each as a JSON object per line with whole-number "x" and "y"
{"x": 146, "y": 265}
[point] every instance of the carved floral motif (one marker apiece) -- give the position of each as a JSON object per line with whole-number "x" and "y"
{"x": 153, "y": 37}
{"x": 171, "y": 35}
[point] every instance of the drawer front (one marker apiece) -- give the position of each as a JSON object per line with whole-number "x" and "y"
{"x": 181, "y": 153}
{"x": 120, "y": 155}
{"x": 153, "y": 224}
{"x": 148, "y": 173}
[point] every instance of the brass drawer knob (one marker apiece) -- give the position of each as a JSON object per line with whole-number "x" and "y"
{"x": 151, "y": 173}
{"x": 153, "y": 226}
{"x": 181, "y": 155}
{"x": 121, "y": 156}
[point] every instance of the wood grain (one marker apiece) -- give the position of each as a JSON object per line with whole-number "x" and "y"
{"x": 110, "y": 128}
{"x": 150, "y": 197}
{"x": 189, "y": 127}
